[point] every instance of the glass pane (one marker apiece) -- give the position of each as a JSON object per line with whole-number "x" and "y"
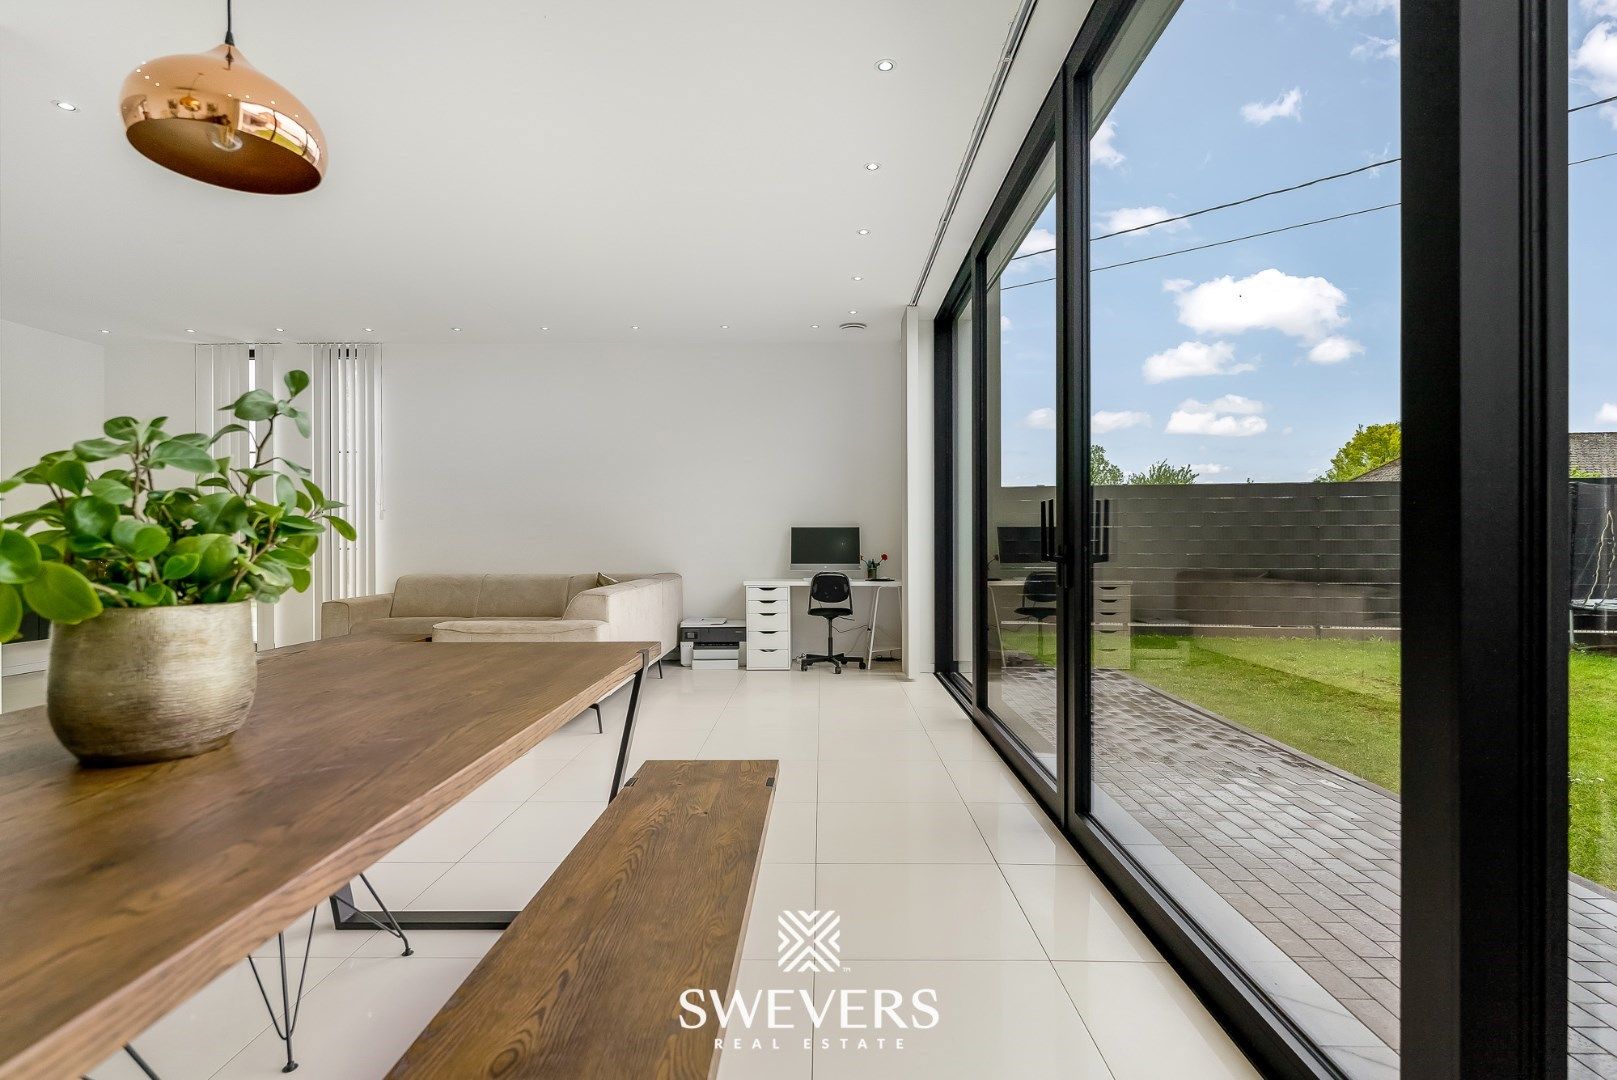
{"x": 1592, "y": 674}
{"x": 1245, "y": 433}
{"x": 1023, "y": 610}
{"x": 965, "y": 607}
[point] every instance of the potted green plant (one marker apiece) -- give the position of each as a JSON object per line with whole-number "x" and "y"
{"x": 148, "y": 588}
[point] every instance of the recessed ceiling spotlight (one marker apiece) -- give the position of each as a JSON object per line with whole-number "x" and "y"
{"x": 188, "y": 330}
{"x": 814, "y": 326}
{"x": 66, "y": 106}
{"x": 104, "y": 331}
{"x": 872, "y": 166}
{"x": 851, "y": 311}
{"x": 884, "y": 65}
{"x": 368, "y": 330}
{"x": 545, "y": 328}
{"x": 280, "y": 329}
{"x": 858, "y": 277}
{"x": 455, "y": 329}
{"x": 864, "y": 232}
{"x": 634, "y": 328}
{"x": 724, "y": 326}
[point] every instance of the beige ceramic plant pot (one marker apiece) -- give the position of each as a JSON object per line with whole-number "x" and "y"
{"x": 136, "y": 685}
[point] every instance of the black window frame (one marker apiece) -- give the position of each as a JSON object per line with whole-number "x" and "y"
{"x": 1484, "y": 752}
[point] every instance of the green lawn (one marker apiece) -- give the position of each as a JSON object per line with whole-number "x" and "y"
{"x": 1337, "y": 700}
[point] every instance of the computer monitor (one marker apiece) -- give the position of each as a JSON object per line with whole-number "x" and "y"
{"x": 818, "y": 547}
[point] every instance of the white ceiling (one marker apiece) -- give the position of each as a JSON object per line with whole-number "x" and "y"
{"x": 502, "y": 165}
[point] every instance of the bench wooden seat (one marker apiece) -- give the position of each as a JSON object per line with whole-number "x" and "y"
{"x": 586, "y": 981}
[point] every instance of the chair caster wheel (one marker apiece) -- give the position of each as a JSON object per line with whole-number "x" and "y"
{"x": 862, "y": 666}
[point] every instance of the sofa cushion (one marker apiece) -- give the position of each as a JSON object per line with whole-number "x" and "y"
{"x": 443, "y": 595}
{"x": 542, "y": 596}
{"x": 416, "y": 628}
{"x": 519, "y": 630}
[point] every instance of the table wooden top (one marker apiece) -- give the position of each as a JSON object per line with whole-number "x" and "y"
{"x": 586, "y": 983}
{"x": 125, "y": 891}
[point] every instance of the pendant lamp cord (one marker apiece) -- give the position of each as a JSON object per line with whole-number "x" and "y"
{"x": 230, "y": 37}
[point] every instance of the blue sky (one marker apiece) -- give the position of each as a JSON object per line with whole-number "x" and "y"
{"x": 1257, "y": 359}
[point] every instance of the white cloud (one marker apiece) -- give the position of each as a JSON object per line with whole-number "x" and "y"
{"x": 1596, "y": 58}
{"x": 1607, "y": 415}
{"x": 1211, "y": 468}
{"x": 1339, "y": 8}
{"x": 1102, "y": 150}
{"x": 1599, "y": 9}
{"x": 1230, "y": 416}
{"x": 1177, "y": 285}
{"x": 1103, "y": 421}
{"x": 1042, "y": 419}
{"x": 1288, "y": 106}
{"x": 1141, "y": 218}
{"x": 1037, "y": 242}
{"x": 1334, "y": 350}
{"x": 1004, "y": 322}
{"x": 1308, "y": 308}
{"x": 1191, "y": 358}
{"x": 1378, "y": 48}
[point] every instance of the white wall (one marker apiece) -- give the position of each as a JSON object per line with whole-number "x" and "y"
{"x": 618, "y": 457}
{"x": 52, "y": 394}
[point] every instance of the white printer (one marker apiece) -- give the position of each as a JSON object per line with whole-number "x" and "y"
{"x": 711, "y": 643}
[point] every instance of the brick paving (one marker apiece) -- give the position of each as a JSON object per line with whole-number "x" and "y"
{"x": 1308, "y": 855}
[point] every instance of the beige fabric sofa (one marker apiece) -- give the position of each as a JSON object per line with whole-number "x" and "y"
{"x": 641, "y": 607}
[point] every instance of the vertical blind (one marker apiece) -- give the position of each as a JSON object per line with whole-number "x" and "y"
{"x": 347, "y": 418}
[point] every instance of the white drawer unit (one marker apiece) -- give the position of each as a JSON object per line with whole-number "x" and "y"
{"x": 769, "y": 627}
{"x": 1113, "y": 629}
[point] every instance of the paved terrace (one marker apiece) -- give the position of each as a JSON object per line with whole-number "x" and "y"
{"x": 1303, "y": 854}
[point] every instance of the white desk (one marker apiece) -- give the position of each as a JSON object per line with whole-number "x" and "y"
{"x": 769, "y": 618}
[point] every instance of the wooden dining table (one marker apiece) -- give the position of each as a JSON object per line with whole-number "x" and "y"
{"x": 125, "y": 891}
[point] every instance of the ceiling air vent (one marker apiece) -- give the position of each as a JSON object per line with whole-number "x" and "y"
{"x": 852, "y": 326}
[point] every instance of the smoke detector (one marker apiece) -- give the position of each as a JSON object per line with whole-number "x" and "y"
{"x": 852, "y": 326}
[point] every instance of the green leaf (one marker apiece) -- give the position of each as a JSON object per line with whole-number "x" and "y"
{"x": 70, "y": 475}
{"x": 294, "y": 524}
{"x": 286, "y": 556}
{"x": 89, "y": 517}
{"x": 142, "y": 540}
{"x": 297, "y": 381}
{"x": 192, "y": 438}
{"x": 301, "y": 419}
{"x": 61, "y": 594}
{"x": 228, "y": 429}
{"x": 253, "y": 405}
{"x": 216, "y": 555}
{"x": 122, "y": 428}
{"x": 181, "y": 455}
{"x": 99, "y": 449}
{"x": 160, "y": 595}
{"x": 92, "y": 547}
{"x": 341, "y": 527}
{"x": 221, "y": 512}
{"x": 285, "y": 492}
{"x": 274, "y": 574}
{"x": 11, "y": 483}
{"x": 113, "y": 492}
{"x": 180, "y": 566}
{"x": 10, "y": 613}
{"x": 19, "y": 560}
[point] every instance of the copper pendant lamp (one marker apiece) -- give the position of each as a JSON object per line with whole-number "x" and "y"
{"x": 214, "y": 117}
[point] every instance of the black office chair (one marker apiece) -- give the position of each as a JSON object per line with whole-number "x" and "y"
{"x": 1039, "y": 600}
{"x": 830, "y": 598}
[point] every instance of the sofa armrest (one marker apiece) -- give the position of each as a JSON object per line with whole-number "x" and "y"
{"x": 644, "y": 609}
{"x": 339, "y": 617}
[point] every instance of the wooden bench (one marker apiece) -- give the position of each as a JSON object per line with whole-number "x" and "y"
{"x": 586, "y": 982}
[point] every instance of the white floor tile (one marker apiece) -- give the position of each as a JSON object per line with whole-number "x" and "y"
{"x": 584, "y": 779}
{"x": 987, "y": 781}
{"x": 761, "y": 743}
{"x": 485, "y": 886}
{"x": 790, "y": 836}
{"x": 1018, "y": 833}
{"x": 763, "y": 1053}
{"x": 1074, "y": 916}
{"x": 963, "y": 746}
{"x": 899, "y": 832}
{"x": 358, "y": 1021}
{"x": 781, "y": 887}
{"x": 453, "y": 833}
{"x": 797, "y": 780}
{"x": 538, "y": 832}
{"x": 841, "y": 744}
{"x": 926, "y": 912}
{"x": 886, "y": 781}
{"x": 1148, "y": 1023}
{"x": 518, "y": 781}
{"x": 995, "y": 1019}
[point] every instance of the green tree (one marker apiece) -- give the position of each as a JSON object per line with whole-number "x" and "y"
{"x": 1370, "y": 447}
{"x": 1162, "y": 473}
{"x": 1101, "y": 469}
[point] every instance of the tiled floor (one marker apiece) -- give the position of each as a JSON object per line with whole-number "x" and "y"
{"x": 891, "y": 810}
